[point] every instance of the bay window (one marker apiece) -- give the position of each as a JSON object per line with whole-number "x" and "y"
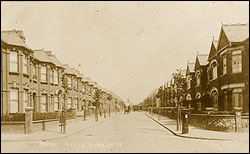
{"x": 13, "y": 61}
{"x": 43, "y": 73}
{"x": 25, "y": 64}
{"x": 236, "y": 61}
{"x": 14, "y": 100}
{"x": 56, "y": 103}
{"x": 51, "y": 76}
{"x": 55, "y": 77}
{"x": 69, "y": 104}
{"x": 69, "y": 82}
{"x": 224, "y": 62}
{"x": 237, "y": 97}
{"x": 44, "y": 103}
{"x": 25, "y": 99}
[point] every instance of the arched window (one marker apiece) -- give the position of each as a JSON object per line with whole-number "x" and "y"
{"x": 198, "y": 78}
{"x": 214, "y": 95}
{"x": 213, "y": 70}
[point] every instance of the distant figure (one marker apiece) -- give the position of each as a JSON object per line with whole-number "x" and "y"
{"x": 126, "y": 109}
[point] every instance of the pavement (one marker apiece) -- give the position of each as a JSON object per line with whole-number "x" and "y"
{"x": 72, "y": 127}
{"x": 195, "y": 132}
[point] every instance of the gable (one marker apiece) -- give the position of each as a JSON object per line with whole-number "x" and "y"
{"x": 188, "y": 71}
{"x": 197, "y": 63}
{"x": 212, "y": 51}
{"x": 223, "y": 41}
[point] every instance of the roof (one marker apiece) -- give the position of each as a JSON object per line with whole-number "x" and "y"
{"x": 213, "y": 49}
{"x": 68, "y": 70}
{"x": 183, "y": 73}
{"x": 236, "y": 32}
{"x": 76, "y": 72}
{"x": 191, "y": 66}
{"x": 215, "y": 43}
{"x": 12, "y": 38}
{"x": 203, "y": 59}
{"x": 55, "y": 61}
{"x": 41, "y": 55}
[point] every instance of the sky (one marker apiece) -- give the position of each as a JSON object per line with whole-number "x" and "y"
{"x": 130, "y": 48}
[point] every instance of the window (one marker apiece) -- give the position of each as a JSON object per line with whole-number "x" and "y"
{"x": 56, "y": 103}
{"x": 44, "y": 103}
{"x": 198, "y": 78}
{"x": 225, "y": 102}
{"x": 13, "y": 61}
{"x": 55, "y": 77}
{"x": 69, "y": 103}
{"x": 25, "y": 99}
{"x": 25, "y": 64}
{"x": 13, "y": 100}
{"x": 237, "y": 97}
{"x": 215, "y": 100}
{"x": 33, "y": 71}
{"x": 51, "y": 76}
{"x": 236, "y": 61}
{"x": 214, "y": 71}
{"x": 43, "y": 74}
{"x": 74, "y": 103}
{"x": 188, "y": 82}
{"x": 224, "y": 61}
{"x": 83, "y": 87}
{"x": 78, "y": 104}
{"x": 69, "y": 82}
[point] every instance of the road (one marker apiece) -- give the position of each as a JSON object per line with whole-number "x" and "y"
{"x": 134, "y": 132}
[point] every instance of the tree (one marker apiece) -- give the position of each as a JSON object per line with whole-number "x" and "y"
{"x": 109, "y": 98}
{"x": 97, "y": 97}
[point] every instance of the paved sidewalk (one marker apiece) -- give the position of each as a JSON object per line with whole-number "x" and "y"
{"x": 73, "y": 126}
{"x": 198, "y": 133}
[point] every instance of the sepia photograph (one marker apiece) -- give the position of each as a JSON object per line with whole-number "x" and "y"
{"x": 124, "y": 76}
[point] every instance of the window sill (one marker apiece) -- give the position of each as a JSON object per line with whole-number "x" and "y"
{"x": 43, "y": 82}
{"x": 16, "y": 73}
{"x": 26, "y": 75}
{"x": 212, "y": 80}
{"x": 223, "y": 75}
{"x": 236, "y": 72}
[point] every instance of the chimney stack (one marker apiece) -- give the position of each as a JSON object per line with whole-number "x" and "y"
{"x": 20, "y": 34}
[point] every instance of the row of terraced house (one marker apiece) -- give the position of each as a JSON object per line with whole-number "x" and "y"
{"x": 33, "y": 78}
{"x": 219, "y": 79}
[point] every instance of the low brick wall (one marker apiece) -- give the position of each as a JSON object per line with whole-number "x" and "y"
{"x": 18, "y": 127}
{"x": 215, "y": 121}
{"x": 224, "y": 123}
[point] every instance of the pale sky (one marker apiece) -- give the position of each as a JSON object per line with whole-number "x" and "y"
{"x": 130, "y": 48}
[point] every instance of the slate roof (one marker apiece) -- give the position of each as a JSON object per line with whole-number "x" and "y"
{"x": 55, "y": 61}
{"x": 191, "y": 66}
{"x": 12, "y": 38}
{"x": 215, "y": 43}
{"x": 68, "y": 70}
{"x": 183, "y": 73}
{"x": 236, "y": 32}
{"x": 203, "y": 59}
{"x": 213, "y": 51}
{"x": 42, "y": 56}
